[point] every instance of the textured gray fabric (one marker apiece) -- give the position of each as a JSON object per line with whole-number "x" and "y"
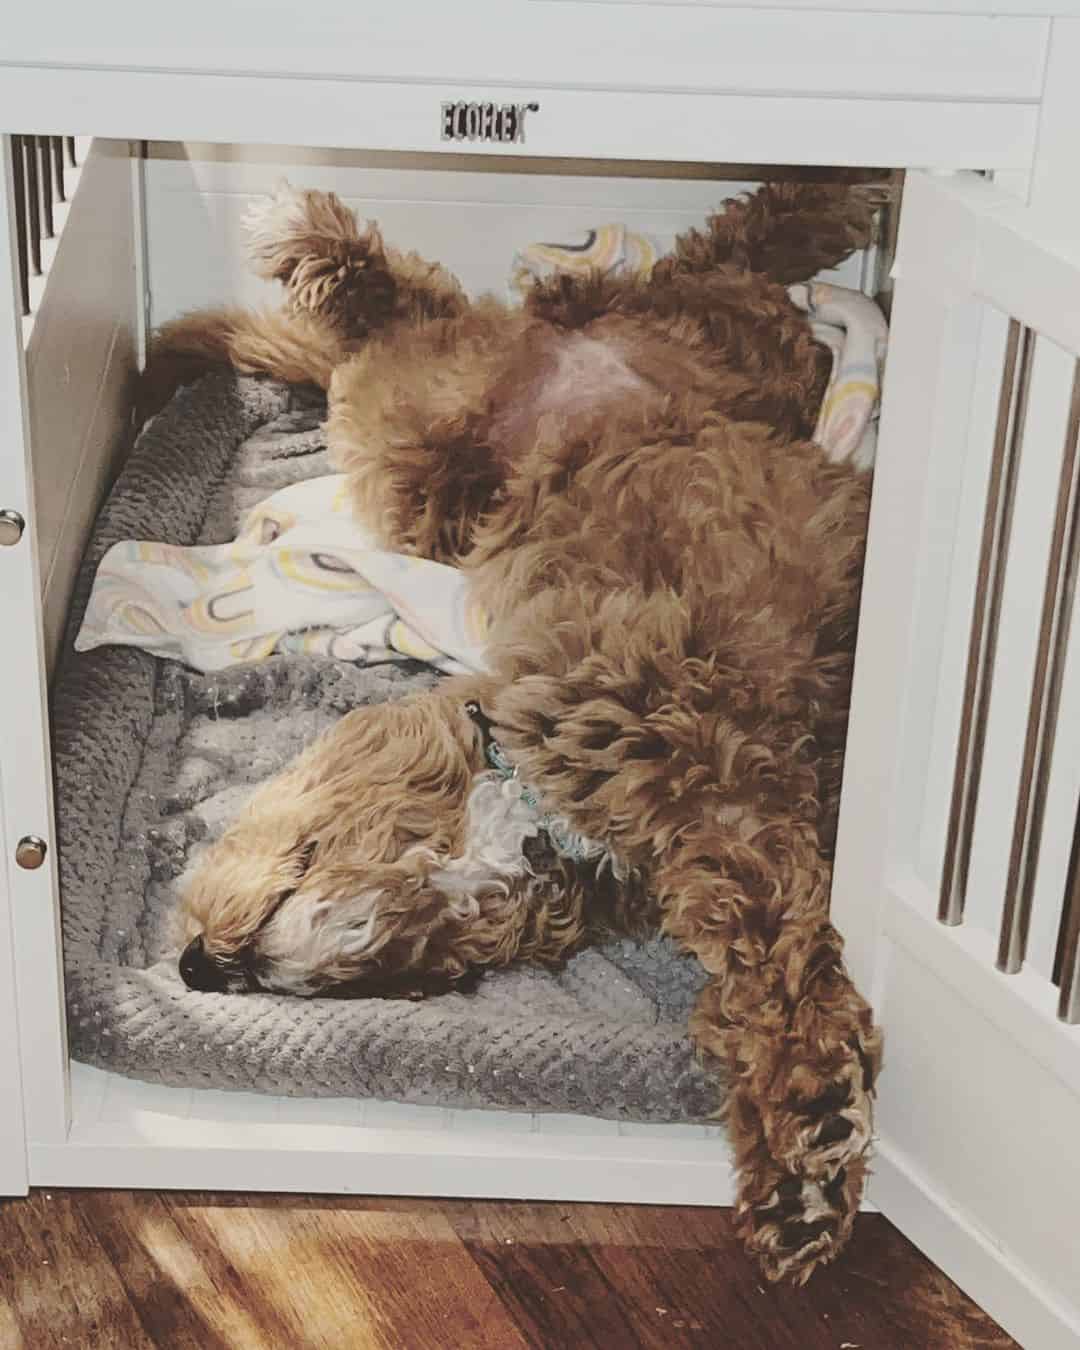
{"x": 153, "y": 759}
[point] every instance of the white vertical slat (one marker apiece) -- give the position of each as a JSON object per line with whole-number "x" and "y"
{"x": 89, "y": 1087}
{"x": 882, "y": 797}
{"x": 88, "y": 351}
{"x": 1054, "y": 632}
{"x": 13, "y": 1175}
{"x": 1062, "y": 799}
{"x": 1036, "y": 493}
{"x": 955, "y": 507}
{"x": 1055, "y": 187}
{"x": 29, "y": 909}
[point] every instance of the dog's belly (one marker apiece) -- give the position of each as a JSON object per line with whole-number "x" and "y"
{"x": 573, "y": 377}
{"x": 589, "y": 375}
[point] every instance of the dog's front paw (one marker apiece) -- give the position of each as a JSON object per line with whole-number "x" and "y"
{"x": 821, "y": 1117}
{"x": 792, "y": 1225}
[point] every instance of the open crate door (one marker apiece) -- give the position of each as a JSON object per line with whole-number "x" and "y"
{"x": 33, "y": 1100}
{"x": 954, "y": 863}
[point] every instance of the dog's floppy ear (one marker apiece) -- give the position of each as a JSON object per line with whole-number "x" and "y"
{"x": 304, "y": 858}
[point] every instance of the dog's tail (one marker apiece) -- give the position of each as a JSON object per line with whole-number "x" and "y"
{"x": 788, "y": 231}
{"x": 296, "y": 348}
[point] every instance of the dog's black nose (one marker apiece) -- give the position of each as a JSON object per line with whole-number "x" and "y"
{"x": 202, "y": 972}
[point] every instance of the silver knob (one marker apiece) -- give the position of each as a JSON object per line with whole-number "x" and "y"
{"x": 30, "y": 852}
{"x": 11, "y": 527}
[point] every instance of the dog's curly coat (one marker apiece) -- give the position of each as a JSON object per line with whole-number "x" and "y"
{"x": 672, "y": 569}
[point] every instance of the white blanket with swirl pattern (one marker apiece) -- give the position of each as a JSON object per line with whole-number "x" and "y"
{"x": 301, "y": 577}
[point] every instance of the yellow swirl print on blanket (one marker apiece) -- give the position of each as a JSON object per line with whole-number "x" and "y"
{"x": 301, "y": 577}
{"x": 318, "y": 572}
{"x": 265, "y": 524}
{"x": 184, "y": 560}
{"x": 228, "y": 609}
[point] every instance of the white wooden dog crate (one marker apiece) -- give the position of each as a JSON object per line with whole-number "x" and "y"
{"x": 963, "y": 770}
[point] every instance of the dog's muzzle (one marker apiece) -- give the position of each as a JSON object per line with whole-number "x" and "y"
{"x": 201, "y": 971}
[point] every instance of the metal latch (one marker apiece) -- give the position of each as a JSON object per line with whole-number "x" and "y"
{"x": 11, "y": 527}
{"x": 30, "y": 852}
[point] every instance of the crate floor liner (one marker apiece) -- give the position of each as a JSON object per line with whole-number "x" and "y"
{"x": 152, "y": 760}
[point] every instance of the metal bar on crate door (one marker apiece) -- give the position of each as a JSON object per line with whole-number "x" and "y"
{"x": 56, "y": 144}
{"x": 1050, "y": 653}
{"x": 69, "y": 142}
{"x": 33, "y": 202}
{"x": 19, "y": 184}
{"x": 985, "y": 617}
{"x": 1068, "y": 955}
{"x": 45, "y": 175}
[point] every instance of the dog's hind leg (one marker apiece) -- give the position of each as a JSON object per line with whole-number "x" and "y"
{"x": 782, "y": 233}
{"x": 788, "y": 231}
{"x": 341, "y": 271}
{"x": 341, "y": 281}
{"x": 409, "y": 423}
{"x": 296, "y": 348}
{"x": 632, "y": 718}
{"x": 781, "y": 1013}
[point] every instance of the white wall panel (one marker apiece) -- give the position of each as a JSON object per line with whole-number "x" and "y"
{"x": 473, "y": 222}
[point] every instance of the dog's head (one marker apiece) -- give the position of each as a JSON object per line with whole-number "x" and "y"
{"x": 370, "y": 866}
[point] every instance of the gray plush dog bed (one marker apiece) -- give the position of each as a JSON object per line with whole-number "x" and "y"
{"x": 152, "y": 760}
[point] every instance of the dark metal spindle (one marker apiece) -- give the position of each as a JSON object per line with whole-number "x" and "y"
{"x": 1067, "y": 959}
{"x": 19, "y": 182}
{"x": 33, "y": 202}
{"x": 986, "y": 613}
{"x": 46, "y": 185}
{"x": 1046, "y": 686}
{"x": 69, "y": 142}
{"x": 56, "y": 144}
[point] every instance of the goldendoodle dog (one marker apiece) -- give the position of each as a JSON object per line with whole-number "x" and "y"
{"x": 672, "y": 570}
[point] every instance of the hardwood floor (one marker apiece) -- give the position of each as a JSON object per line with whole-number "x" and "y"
{"x": 97, "y": 1269}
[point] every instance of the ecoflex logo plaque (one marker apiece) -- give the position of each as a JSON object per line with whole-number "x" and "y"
{"x": 498, "y": 122}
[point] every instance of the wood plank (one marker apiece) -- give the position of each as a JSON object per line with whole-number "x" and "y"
{"x": 548, "y": 1279}
{"x": 136, "y": 1230}
{"x": 881, "y": 1292}
{"x": 212, "y": 1271}
{"x": 239, "y": 1271}
{"x": 691, "y": 1282}
{"x": 885, "y": 1292}
{"x": 356, "y": 1276}
{"x": 58, "y": 1286}
{"x": 680, "y": 1278}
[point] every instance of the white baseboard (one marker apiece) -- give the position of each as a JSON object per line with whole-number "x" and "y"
{"x": 985, "y": 1271}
